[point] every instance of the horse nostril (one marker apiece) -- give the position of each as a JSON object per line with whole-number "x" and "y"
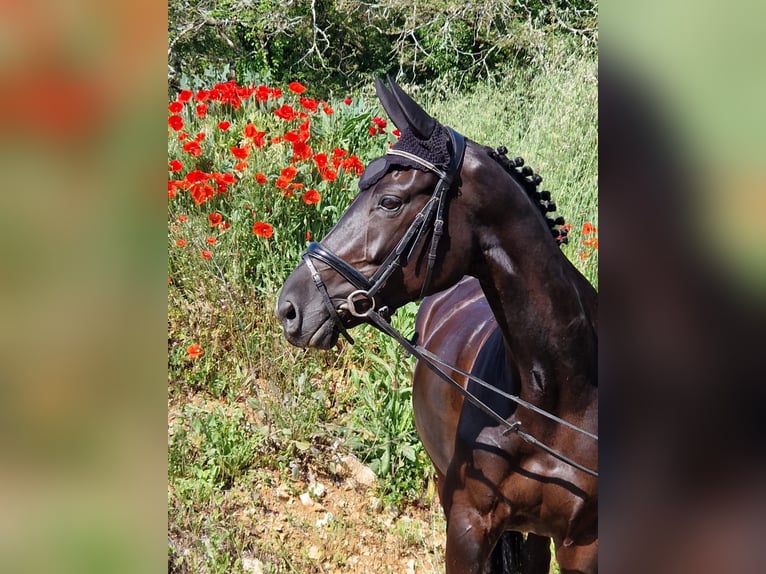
{"x": 286, "y": 311}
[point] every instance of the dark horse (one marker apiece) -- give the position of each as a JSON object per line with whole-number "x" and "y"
{"x": 528, "y": 326}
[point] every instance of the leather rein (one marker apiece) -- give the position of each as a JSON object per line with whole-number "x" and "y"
{"x": 361, "y": 302}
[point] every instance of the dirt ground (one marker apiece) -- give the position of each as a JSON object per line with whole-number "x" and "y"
{"x": 275, "y": 521}
{"x": 324, "y": 527}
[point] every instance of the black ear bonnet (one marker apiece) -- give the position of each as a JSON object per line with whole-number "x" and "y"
{"x": 434, "y": 150}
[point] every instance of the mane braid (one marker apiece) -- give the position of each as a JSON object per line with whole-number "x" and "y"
{"x": 529, "y": 180}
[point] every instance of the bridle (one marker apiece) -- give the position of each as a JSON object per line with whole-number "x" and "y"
{"x": 361, "y": 302}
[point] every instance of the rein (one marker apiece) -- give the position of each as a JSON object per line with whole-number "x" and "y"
{"x": 366, "y": 289}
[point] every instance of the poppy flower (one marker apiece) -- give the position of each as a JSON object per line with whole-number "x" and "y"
{"x": 347, "y": 101}
{"x": 215, "y": 219}
{"x": 184, "y": 95}
{"x": 588, "y": 228}
{"x": 289, "y": 172}
{"x": 286, "y": 113}
{"x": 328, "y": 110}
{"x": 239, "y": 152}
{"x": 175, "y": 107}
{"x": 175, "y": 165}
{"x": 176, "y": 122}
{"x": 329, "y": 175}
{"x": 262, "y": 229}
{"x": 182, "y": 218}
{"x": 250, "y": 131}
{"x": 181, "y": 242}
{"x": 320, "y": 159}
{"x": 195, "y": 351}
{"x": 224, "y": 125}
{"x": 372, "y": 130}
{"x": 308, "y": 236}
{"x": 201, "y": 110}
{"x": 193, "y": 149}
{"x": 309, "y": 104}
{"x": 224, "y": 226}
{"x": 311, "y": 197}
{"x": 210, "y": 240}
{"x": 296, "y": 87}
{"x": 260, "y": 178}
{"x": 206, "y": 254}
{"x": 240, "y": 166}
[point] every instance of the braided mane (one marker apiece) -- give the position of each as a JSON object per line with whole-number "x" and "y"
{"x": 529, "y": 180}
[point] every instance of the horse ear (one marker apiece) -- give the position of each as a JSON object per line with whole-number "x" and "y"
{"x": 403, "y": 110}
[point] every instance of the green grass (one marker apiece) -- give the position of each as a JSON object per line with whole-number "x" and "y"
{"x": 251, "y": 405}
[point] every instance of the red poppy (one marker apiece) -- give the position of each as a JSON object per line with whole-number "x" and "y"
{"x": 262, "y": 229}
{"x": 224, "y": 226}
{"x": 308, "y": 236}
{"x": 260, "y": 178}
{"x": 329, "y": 175}
{"x": 176, "y": 122}
{"x": 201, "y": 110}
{"x": 224, "y": 125}
{"x": 311, "y": 197}
{"x": 321, "y": 160}
{"x": 380, "y": 122}
{"x": 328, "y": 110}
{"x": 249, "y": 130}
{"x": 240, "y": 166}
{"x": 301, "y": 152}
{"x": 286, "y": 112}
{"x": 206, "y": 254}
{"x": 193, "y": 149}
{"x": 210, "y": 240}
{"x": 397, "y": 133}
{"x": 296, "y": 87}
{"x": 184, "y": 95}
{"x": 172, "y": 192}
{"x": 175, "y": 107}
{"x": 588, "y": 228}
{"x": 181, "y": 242}
{"x": 372, "y": 130}
{"x": 309, "y": 104}
{"x": 175, "y": 165}
{"x": 347, "y": 101}
{"x": 199, "y": 137}
{"x": 215, "y": 219}
{"x": 182, "y": 136}
{"x": 182, "y": 218}
{"x": 195, "y": 351}
{"x": 289, "y": 172}
{"x": 239, "y": 152}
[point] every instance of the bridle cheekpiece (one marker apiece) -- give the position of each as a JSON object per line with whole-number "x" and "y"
{"x": 362, "y": 299}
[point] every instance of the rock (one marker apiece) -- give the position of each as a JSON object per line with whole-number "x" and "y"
{"x": 361, "y": 473}
{"x": 325, "y": 520}
{"x": 252, "y": 565}
{"x": 306, "y": 499}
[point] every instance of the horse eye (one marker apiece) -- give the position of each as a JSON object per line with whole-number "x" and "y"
{"x": 390, "y": 203}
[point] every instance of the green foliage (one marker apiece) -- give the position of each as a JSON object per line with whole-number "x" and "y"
{"x": 335, "y": 44}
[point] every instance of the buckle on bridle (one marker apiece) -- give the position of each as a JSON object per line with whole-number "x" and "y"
{"x": 356, "y": 297}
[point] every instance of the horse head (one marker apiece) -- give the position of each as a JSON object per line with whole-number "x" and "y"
{"x": 425, "y": 215}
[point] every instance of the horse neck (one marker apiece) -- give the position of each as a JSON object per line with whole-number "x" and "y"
{"x": 547, "y": 312}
